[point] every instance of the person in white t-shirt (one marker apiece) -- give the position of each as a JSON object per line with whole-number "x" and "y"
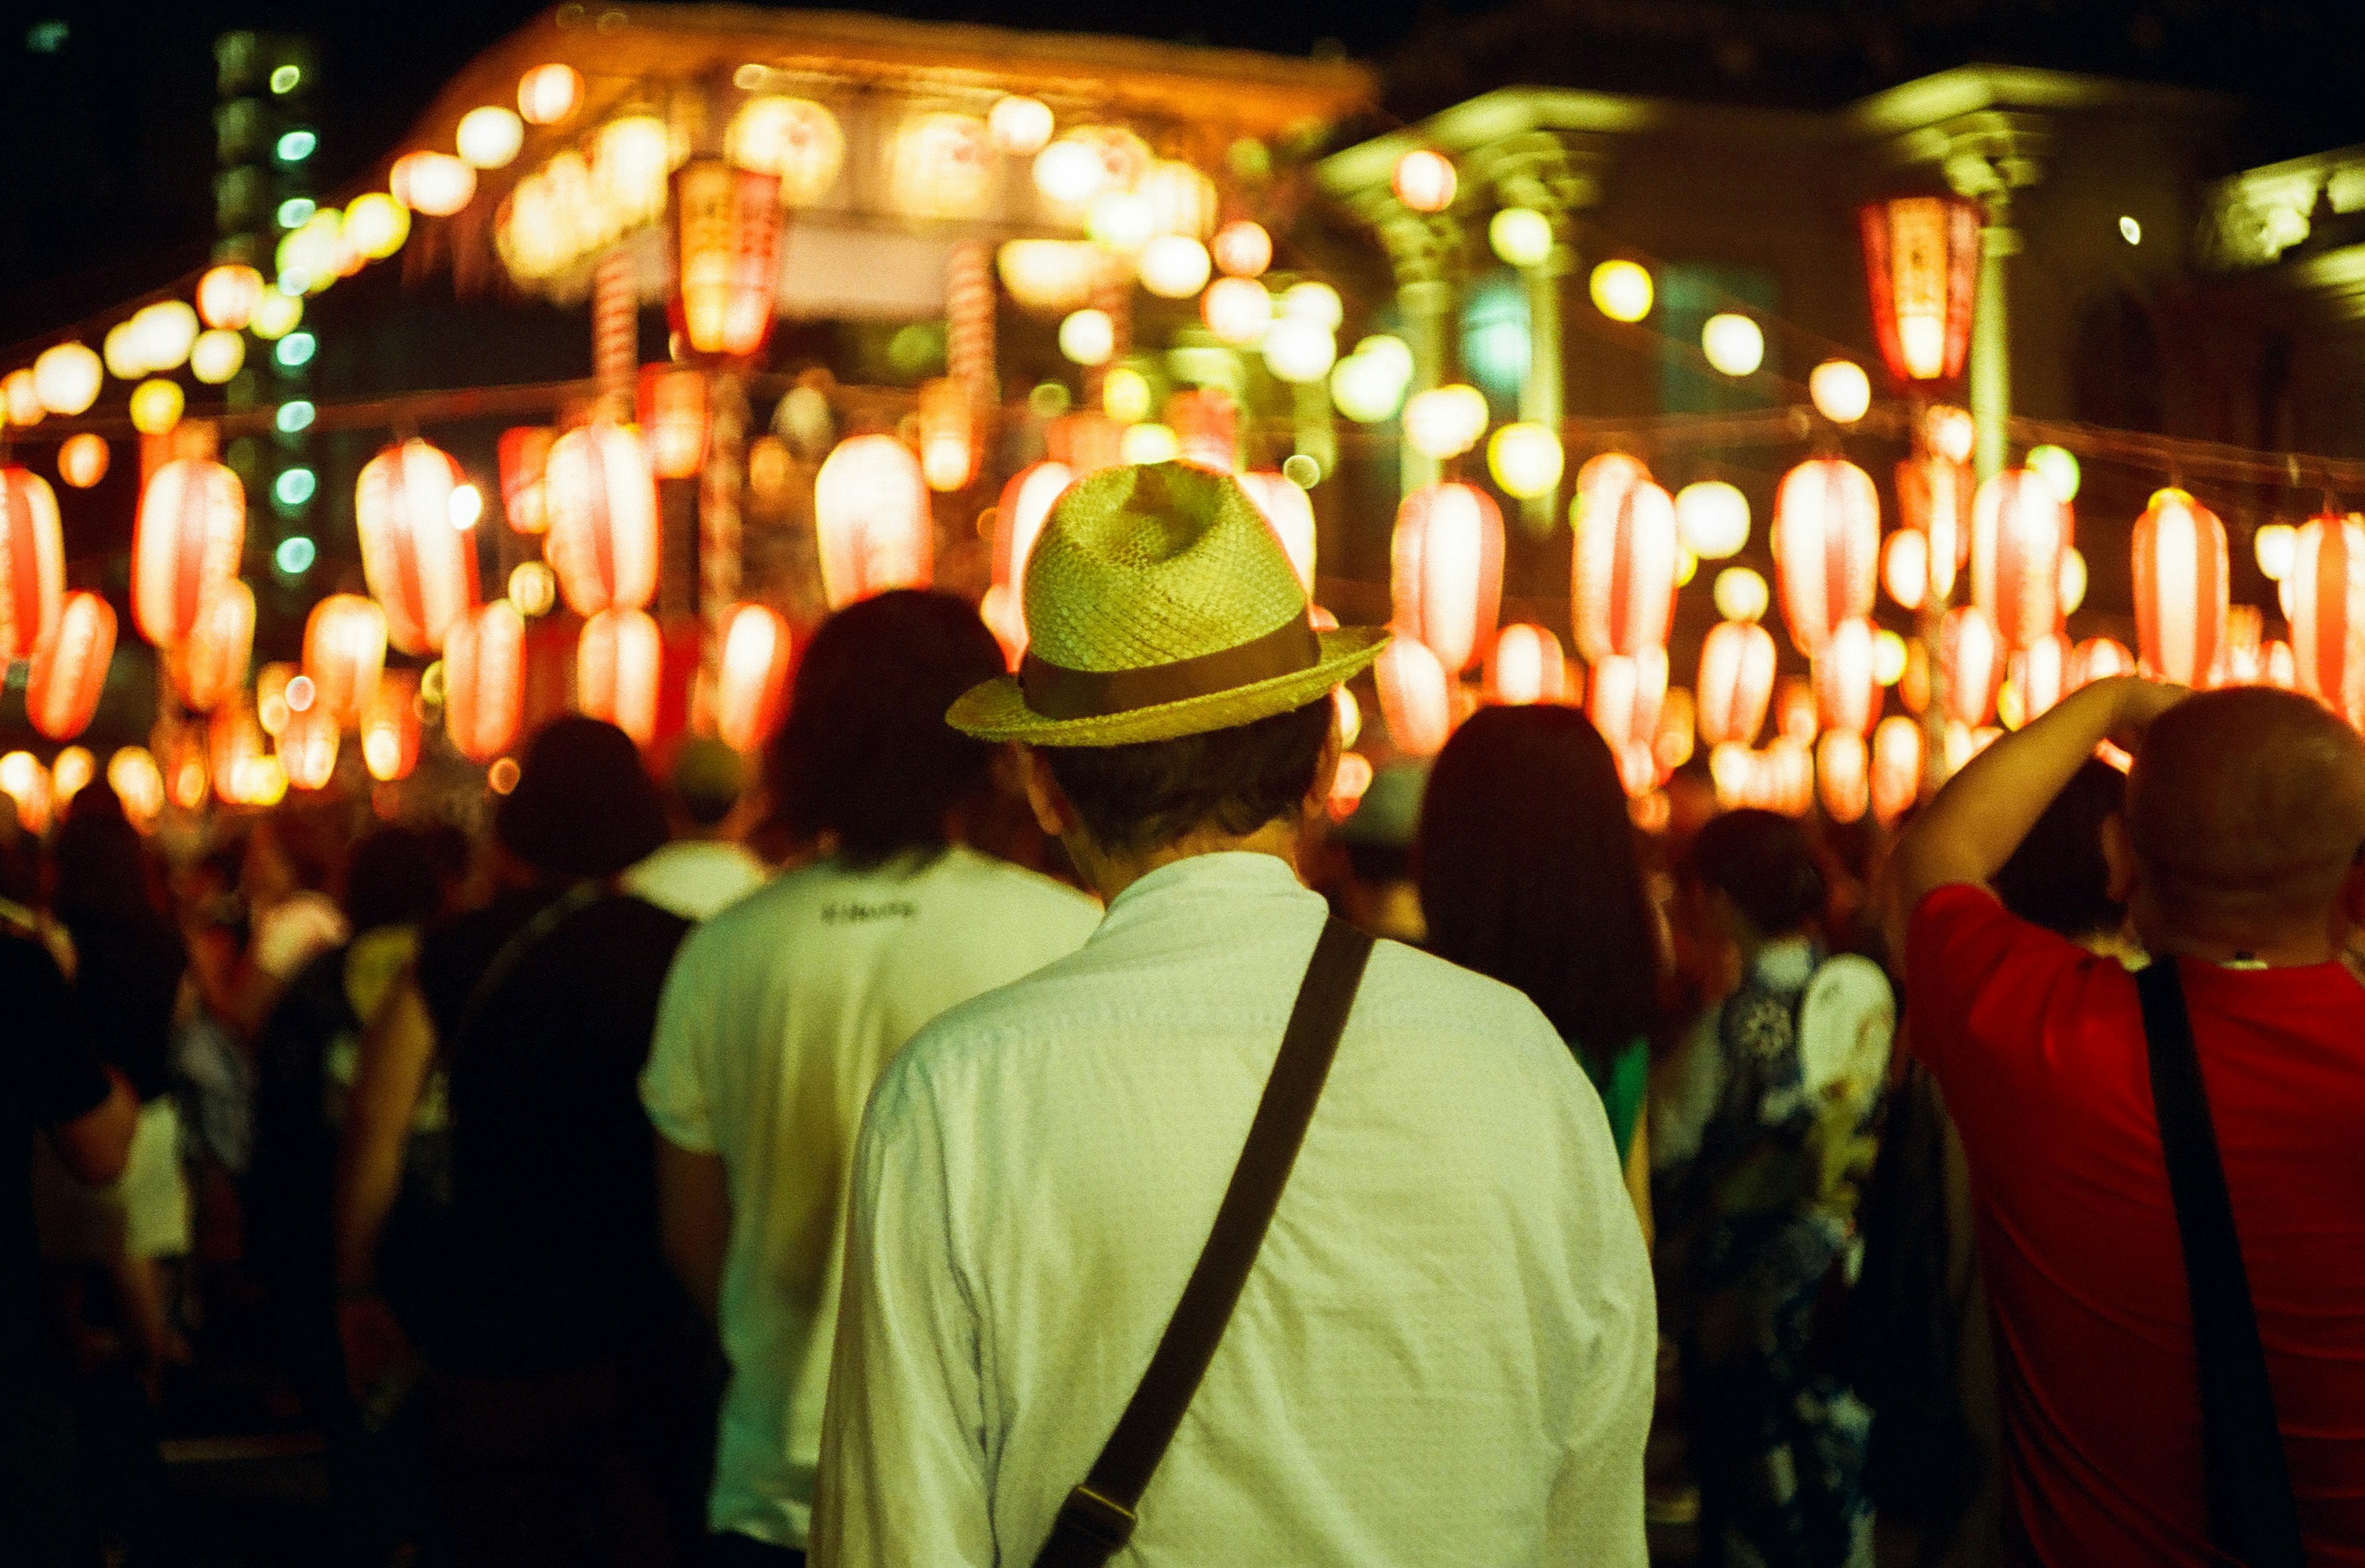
{"x": 780, "y": 1012}
{"x": 704, "y": 866}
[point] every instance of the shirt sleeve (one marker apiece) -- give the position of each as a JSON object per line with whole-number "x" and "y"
{"x": 63, "y": 1078}
{"x": 1977, "y": 978}
{"x": 901, "y": 1476}
{"x": 673, "y": 1083}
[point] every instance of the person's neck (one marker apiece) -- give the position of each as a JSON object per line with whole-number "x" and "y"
{"x": 2297, "y": 947}
{"x": 1111, "y": 873}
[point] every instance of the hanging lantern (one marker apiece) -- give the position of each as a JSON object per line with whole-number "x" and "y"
{"x": 227, "y": 296}
{"x": 1678, "y": 738}
{"x": 156, "y": 406}
{"x": 421, "y": 569}
{"x": 125, "y": 356}
{"x": 1017, "y": 523}
{"x": 217, "y": 356}
{"x": 2180, "y": 590}
{"x": 941, "y": 166}
{"x": 213, "y": 661}
{"x": 1934, "y": 498}
{"x": 1624, "y": 705}
{"x": 70, "y": 773}
{"x": 81, "y": 460}
{"x": 617, "y": 666}
{"x": 189, "y": 535}
{"x": 67, "y": 377}
{"x": 1424, "y": 180}
{"x": 344, "y": 653}
{"x": 308, "y": 749}
{"x": 1712, "y": 519}
{"x": 751, "y": 693}
{"x": 601, "y": 502}
{"x": 1445, "y": 421}
{"x": 671, "y": 412}
{"x": 1798, "y": 712}
{"x": 1847, "y": 685}
{"x": 796, "y": 141}
{"x": 1622, "y": 568}
{"x": 871, "y": 510}
{"x": 1416, "y": 697}
{"x": 1242, "y": 249}
{"x": 2097, "y": 658}
{"x": 524, "y": 459}
{"x": 1737, "y": 682}
{"x": 22, "y": 396}
{"x": 1922, "y": 260}
{"x": 483, "y": 681}
{"x": 1840, "y": 390}
{"x": 1971, "y": 657}
{"x": 139, "y": 783}
{"x": 69, "y": 673}
{"x": 948, "y": 435}
{"x": 727, "y": 257}
{"x": 2326, "y": 588}
{"x": 271, "y": 684}
{"x": 1526, "y": 665}
{"x": 1785, "y": 777}
{"x": 1895, "y": 768}
{"x": 1236, "y": 309}
{"x": 1019, "y": 124}
{"x": 1526, "y": 459}
{"x": 1844, "y": 775}
{"x": 389, "y": 728}
{"x": 1905, "y": 567}
{"x": 436, "y": 184}
{"x": 2039, "y": 674}
{"x": 32, "y": 562}
{"x": 2019, "y": 526}
{"x": 1289, "y": 512}
{"x": 1085, "y": 442}
{"x": 549, "y": 94}
{"x": 1446, "y": 572}
{"x": 1207, "y": 423}
{"x": 1826, "y": 548}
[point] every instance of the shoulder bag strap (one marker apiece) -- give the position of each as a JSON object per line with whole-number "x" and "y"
{"x": 512, "y": 953}
{"x": 2252, "y": 1516}
{"x": 1098, "y": 1517}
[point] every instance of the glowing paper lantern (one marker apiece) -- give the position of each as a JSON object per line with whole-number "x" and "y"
{"x": 1847, "y": 685}
{"x": 1921, "y": 261}
{"x": 1424, "y": 180}
{"x": 1842, "y": 775}
{"x": 277, "y": 315}
{"x": 421, "y": 569}
{"x": 1236, "y": 309}
{"x": 1905, "y": 567}
{"x": 32, "y": 562}
{"x": 1826, "y": 547}
{"x": 948, "y": 430}
{"x": 616, "y": 665}
{"x": 2326, "y": 590}
{"x": 1289, "y": 512}
{"x": 436, "y": 184}
{"x": 1841, "y": 392}
{"x": 2039, "y": 674}
{"x": 156, "y": 407}
{"x": 1737, "y": 682}
{"x": 1712, "y": 519}
{"x": 671, "y": 408}
{"x": 227, "y": 296}
{"x": 1971, "y": 659}
{"x": 1621, "y": 290}
{"x": 602, "y": 506}
{"x": 69, "y": 673}
{"x": 1019, "y": 124}
{"x": 139, "y": 783}
{"x": 483, "y": 681}
{"x": 27, "y": 783}
{"x": 375, "y": 224}
{"x": 1624, "y": 705}
{"x": 2181, "y": 590}
{"x": 490, "y": 137}
{"x": 66, "y": 378}
{"x": 22, "y": 396}
{"x": 1622, "y": 568}
{"x": 189, "y": 536}
{"x": 549, "y": 94}
{"x": 1446, "y": 572}
{"x": 1300, "y": 350}
{"x": 1088, "y": 336}
{"x": 213, "y": 661}
{"x": 1174, "y": 266}
{"x": 1349, "y": 784}
{"x": 1017, "y": 523}
{"x": 1445, "y": 421}
{"x": 1526, "y": 459}
{"x": 941, "y": 166}
{"x": 389, "y": 728}
{"x": 2097, "y": 658}
{"x": 796, "y": 141}
{"x": 1895, "y": 768}
{"x": 2276, "y": 545}
{"x": 1526, "y": 665}
{"x": 307, "y": 750}
{"x": 870, "y": 511}
{"x": 1242, "y": 249}
{"x": 727, "y": 241}
{"x": 1207, "y": 424}
{"x": 74, "y": 768}
{"x": 81, "y": 460}
{"x": 167, "y": 330}
{"x": 1934, "y": 498}
{"x": 2019, "y": 526}
{"x": 344, "y": 653}
{"x": 217, "y": 356}
{"x": 751, "y": 693}
{"x": 1521, "y": 236}
{"x": 1741, "y": 594}
{"x": 1416, "y": 697}
{"x": 1734, "y": 345}
{"x": 524, "y": 459}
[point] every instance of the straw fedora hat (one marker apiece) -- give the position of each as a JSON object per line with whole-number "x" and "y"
{"x": 1159, "y": 605}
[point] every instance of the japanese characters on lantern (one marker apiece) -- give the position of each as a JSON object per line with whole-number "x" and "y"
{"x": 1921, "y": 261}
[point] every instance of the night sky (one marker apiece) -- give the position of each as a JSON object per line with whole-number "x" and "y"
{"x": 106, "y": 137}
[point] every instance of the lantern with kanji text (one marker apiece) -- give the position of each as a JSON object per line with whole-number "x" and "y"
{"x": 422, "y": 568}
{"x": 484, "y": 680}
{"x": 603, "y": 519}
{"x": 1826, "y": 548}
{"x": 187, "y": 538}
{"x": 618, "y": 663}
{"x": 727, "y": 257}
{"x": 69, "y": 671}
{"x": 1446, "y": 571}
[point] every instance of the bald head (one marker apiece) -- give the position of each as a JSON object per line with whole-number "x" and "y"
{"x": 2246, "y": 810}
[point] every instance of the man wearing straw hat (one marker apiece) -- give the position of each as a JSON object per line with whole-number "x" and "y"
{"x": 1231, "y": 1238}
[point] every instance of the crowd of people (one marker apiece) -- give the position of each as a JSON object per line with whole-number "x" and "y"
{"x": 991, "y": 1136}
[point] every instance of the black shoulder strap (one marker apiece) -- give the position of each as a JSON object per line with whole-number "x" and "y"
{"x": 1098, "y": 1517}
{"x": 512, "y": 953}
{"x": 2252, "y": 1516}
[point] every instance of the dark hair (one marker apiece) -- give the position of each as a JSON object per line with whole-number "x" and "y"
{"x": 393, "y": 880}
{"x": 2058, "y": 877}
{"x": 310, "y": 838}
{"x": 1529, "y": 873}
{"x": 583, "y": 805}
{"x": 1154, "y": 793}
{"x": 865, "y": 754}
{"x": 101, "y": 866}
{"x": 1764, "y": 862}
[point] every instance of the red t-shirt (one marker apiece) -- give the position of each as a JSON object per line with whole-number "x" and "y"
{"x": 2039, "y": 1047}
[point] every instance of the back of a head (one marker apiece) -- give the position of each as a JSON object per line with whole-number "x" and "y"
{"x": 2059, "y": 878}
{"x": 2246, "y": 810}
{"x": 1765, "y": 863}
{"x": 97, "y": 857}
{"x": 1529, "y": 872}
{"x": 705, "y": 780}
{"x": 393, "y": 880}
{"x": 866, "y": 755}
{"x": 1141, "y": 798}
{"x": 584, "y": 806}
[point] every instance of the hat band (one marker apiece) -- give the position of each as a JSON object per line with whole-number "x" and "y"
{"x": 1056, "y": 691}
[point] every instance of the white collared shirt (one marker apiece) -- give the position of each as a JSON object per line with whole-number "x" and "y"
{"x": 1444, "y": 1354}
{"x": 695, "y": 877}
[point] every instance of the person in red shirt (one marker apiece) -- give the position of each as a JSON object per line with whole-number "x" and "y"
{"x": 2240, "y": 857}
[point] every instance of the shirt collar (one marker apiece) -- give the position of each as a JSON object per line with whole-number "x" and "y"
{"x": 1232, "y": 875}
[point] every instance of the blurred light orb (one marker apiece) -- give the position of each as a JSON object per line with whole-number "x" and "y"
{"x": 2276, "y": 545}
{"x": 1087, "y": 337}
{"x": 490, "y": 136}
{"x": 1734, "y": 344}
{"x": 294, "y": 415}
{"x": 1741, "y": 594}
{"x": 1070, "y": 174}
{"x": 1314, "y": 301}
{"x": 1019, "y": 124}
{"x": 1299, "y": 349}
{"x": 2073, "y": 579}
{"x": 534, "y": 589}
{"x": 226, "y": 295}
{"x": 1121, "y": 221}
{"x": 2058, "y": 467}
{"x": 466, "y": 506}
{"x": 2130, "y": 230}
{"x": 1526, "y": 459}
{"x": 436, "y": 184}
{"x": 296, "y": 349}
{"x": 1445, "y": 421}
{"x": 294, "y": 556}
{"x": 1687, "y": 565}
{"x": 165, "y": 331}
{"x": 1391, "y": 351}
{"x": 217, "y": 355}
{"x": 66, "y": 378}
{"x": 277, "y": 315}
{"x": 1521, "y": 236}
{"x": 1712, "y": 519}
{"x": 296, "y": 211}
{"x": 1622, "y": 290}
{"x": 1950, "y": 432}
{"x": 1301, "y": 469}
{"x": 156, "y": 406}
{"x": 1125, "y": 395}
{"x": 1242, "y": 249}
{"x": 301, "y": 694}
{"x": 120, "y": 351}
{"x": 549, "y": 94}
{"x": 295, "y": 487}
{"x": 1236, "y": 309}
{"x": 1174, "y": 266}
{"x": 1888, "y": 654}
{"x": 81, "y": 461}
{"x": 1840, "y": 390}
{"x": 1424, "y": 180}
{"x": 1366, "y": 387}
{"x": 502, "y": 776}
{"x": 1150, "y": 443}
{"x": 375, "y": 225}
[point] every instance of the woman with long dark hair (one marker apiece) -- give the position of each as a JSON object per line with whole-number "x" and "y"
{"x": 1529, "y": 875}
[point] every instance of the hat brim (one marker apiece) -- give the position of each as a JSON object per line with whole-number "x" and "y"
{"x": 997, "y": 710}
